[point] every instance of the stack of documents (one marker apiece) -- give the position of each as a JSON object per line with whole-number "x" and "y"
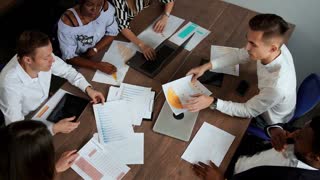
{"x": 186, "y": 31}
{"x": 209, "y": 144}
{"x": 178, "y": 92}
{"x": 96, "y": 162}
{"x": 117, "y": 54}
{"x": 153, "y": 39}
{"x": 116, "y": 134}
{"x": 139, "y": 100}
{"x": 125, "y": 106}
{"x": 219, "y": 52}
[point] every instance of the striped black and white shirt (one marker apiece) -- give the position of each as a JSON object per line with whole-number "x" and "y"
{"x": 125, "y": 15}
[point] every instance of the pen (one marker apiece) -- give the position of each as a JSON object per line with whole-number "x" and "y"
{"x": 114, "y": 75}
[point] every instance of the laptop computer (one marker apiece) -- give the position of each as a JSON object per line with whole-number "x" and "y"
{"x": 164, "y": 54}
{"x": 68, "y": 106}
{"x": 179, "y": 128}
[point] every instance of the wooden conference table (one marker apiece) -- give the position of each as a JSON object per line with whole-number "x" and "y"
{"x": 162, "y": 154}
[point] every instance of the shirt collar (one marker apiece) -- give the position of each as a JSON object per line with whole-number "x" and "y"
{"x": 303, "y": 165}
{"x": 300, "y": 164}
{"x": 23, "y": 75}
{"x": 274, "y": 64}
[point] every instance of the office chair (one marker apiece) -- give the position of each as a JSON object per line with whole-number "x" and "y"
{"x": 307, "y": 98}
{"x": 1, "y": 115}
{"x": 1, "y": 67}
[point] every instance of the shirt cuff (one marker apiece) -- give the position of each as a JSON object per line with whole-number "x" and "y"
{"x": 219, "y": 104}
{"x": 272, "y": 126}
{"x": 83, "y": 85}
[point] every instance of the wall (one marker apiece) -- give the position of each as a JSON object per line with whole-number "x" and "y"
{"x": 304, "y": 43}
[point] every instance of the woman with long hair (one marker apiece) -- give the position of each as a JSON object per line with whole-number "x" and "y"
{"x": 27, "y": 152}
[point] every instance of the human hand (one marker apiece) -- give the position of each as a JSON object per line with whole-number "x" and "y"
{"x": 208, "y": 172}
{"x": 66, "y": 160}
{"x": 198, "y": 102}
{"x": 106, "y": 67}
{"x": 95, "y": 96}
{"x": 65, "y": 125}
{"x": 198, "y": 71}
{"x": 278, "y": 138}
{"x": 160, "y": 24}
{"x": 147, "y": 51}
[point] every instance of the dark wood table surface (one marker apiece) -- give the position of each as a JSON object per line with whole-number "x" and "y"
{"x": 162, "y": 154}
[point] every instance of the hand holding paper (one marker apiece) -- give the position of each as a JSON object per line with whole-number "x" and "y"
{"x": 178, "y": 92}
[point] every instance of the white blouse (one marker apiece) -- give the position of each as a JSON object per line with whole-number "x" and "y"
{"x": 77, "y": 40}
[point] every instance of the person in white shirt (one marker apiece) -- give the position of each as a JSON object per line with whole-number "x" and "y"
{"x": 275, "y": 103}
{"x": 25, "y": 81}
{"x": 303, "y": 154}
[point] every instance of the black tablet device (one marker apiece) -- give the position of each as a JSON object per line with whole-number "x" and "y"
{"x": 68, "y": 106}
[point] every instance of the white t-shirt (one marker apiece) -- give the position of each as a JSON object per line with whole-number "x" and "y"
{"x": 74, "y": 41}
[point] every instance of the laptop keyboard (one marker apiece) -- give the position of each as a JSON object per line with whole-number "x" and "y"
{"x": 162, "y": 54}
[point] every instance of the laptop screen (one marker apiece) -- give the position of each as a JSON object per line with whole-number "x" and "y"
{"x": 162, "y": 54}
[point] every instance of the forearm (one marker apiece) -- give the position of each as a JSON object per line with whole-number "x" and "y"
{"x": 236, "y": 109}
{"x": 83, "y": 62}
{"x": 168, "y": 7}
{"x": 104, "y": 42}
{"x": 131, "y": 36}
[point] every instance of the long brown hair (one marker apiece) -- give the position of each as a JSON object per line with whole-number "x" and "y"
{"x": 27, "y": 151}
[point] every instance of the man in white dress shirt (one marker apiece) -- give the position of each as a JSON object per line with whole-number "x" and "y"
{"x": 276, "y": 100}
{"x": 304, "y": 154}
{"x": 25, "y": 81}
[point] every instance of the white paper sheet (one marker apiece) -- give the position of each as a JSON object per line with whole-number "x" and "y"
{"x": 210, "y": 143}
{"x": 184, "y": 88}
{"x": 149, "y": 108}
{"x": 48, "y": 107}
{"x": 186, "y": 31}
{"x": 95, "y": 162}
{"x": 219, "y": 51}
{"x": 128, "y": 151}
{"x": 153, "y": 39}
{"x": 117, "y": 54}
{"x": 138, "y": 98}
{"x": 113, "y": 94}
{"x": 112, "y": 123}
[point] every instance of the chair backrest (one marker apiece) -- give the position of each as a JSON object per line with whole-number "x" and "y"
{"x": 1, "y": 67}
{"x": 1, "y": 119}
{"x": 308, "y": 95}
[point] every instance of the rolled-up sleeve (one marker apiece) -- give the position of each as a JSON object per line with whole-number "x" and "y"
{"x": 255, "y": 106}
{"x": 67, "y": 43}
{"x": 62, "y": 69}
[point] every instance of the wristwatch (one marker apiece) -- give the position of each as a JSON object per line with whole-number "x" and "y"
{"x": 213, "y": 105}
{"x": 167, "y": 14}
